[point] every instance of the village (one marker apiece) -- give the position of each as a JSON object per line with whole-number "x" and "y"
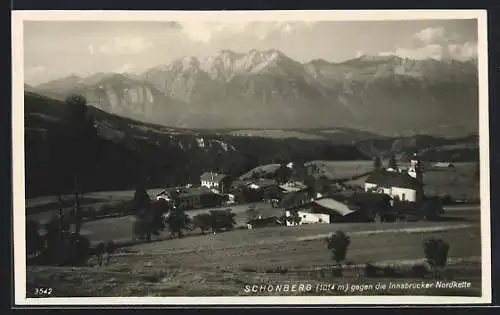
{"x": 389, "y": 194}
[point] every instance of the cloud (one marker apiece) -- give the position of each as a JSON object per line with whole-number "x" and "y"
{"x": 208, "y": 31}
{"x": 35, "y": 70}
{"x": 124, "y": 68}
{"x": 359, "y": 53}
{"x": 121, "y": 45}
{"x": 35, "y": 73}
{"x": 437, "y": 43}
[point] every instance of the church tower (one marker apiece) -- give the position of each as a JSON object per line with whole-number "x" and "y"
{"x": 415, "y": 169}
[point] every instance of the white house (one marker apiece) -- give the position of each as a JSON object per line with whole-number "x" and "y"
{"x": 213, "y": 180}
{"x": 400, "y": 186}
{"x": 308, "y": 218}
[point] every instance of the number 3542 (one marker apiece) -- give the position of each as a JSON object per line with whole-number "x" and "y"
{"x": 43, "y": 291}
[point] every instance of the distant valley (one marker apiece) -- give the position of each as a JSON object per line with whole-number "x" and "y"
{"x": 132, "y": 150}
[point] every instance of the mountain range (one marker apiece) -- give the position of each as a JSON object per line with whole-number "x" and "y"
{"x": 266, "y": 89}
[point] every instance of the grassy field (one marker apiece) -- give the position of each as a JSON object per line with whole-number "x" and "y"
{"x": 222, "y": 264}
{"x": 458, "y": 182}
{"x": 120, "y": 228}
{"x": 343, "y": 169}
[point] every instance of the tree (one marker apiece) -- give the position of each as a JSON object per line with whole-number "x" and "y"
{"x": 177, "y": 221}
{"x": 141, "y": 198}
{"x": 299, "y": 171}
{"x": 294, "y": 218}
{"x": 311, "y": 184}
{"x": 283, "y": 174}
{"x": 377, "y": 162}
{"x": 432, "y": 208}
{"x": 323, "y": 184}
{"x": 223, "y": 219}
{"x": 34, "y": 241}
{"x": 203, "y": 221}
{"x": 150, "y": 221}
{"x": 392, "y": 162}
{"x": 73, "y": 153}
{"x": 338, "y": 244}
{"x": 436, "y": 253}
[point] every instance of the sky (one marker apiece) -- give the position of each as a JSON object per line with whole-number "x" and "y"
{"x": 54, "y": 49}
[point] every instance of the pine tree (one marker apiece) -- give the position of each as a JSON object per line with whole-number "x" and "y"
{"x": 392, "y": 162}
{"x": 73, "y": 153}
{"x": 377, "y": 163}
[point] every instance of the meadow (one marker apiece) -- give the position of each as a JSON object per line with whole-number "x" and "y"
{"x": 457, "y": 182}
{"x": 222, "y": 264}
{"x": 337, "y": 170}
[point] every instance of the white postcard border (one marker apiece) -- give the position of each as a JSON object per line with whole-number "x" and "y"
{"x": 18, "y": 17}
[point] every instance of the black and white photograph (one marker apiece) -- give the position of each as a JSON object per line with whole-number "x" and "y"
{"x": 278, "y": 157}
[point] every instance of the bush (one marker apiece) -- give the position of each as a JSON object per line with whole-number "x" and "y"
{"x": 371, "y": 270}
{"x": 390, "y": 272}
{"x": 203, "y": 221}
{"x": 436, "y": 252}
{"x": 223, "y": 220}
{"x": 78, "y": 249}
{"x": 338, "y": 244}
{"x": 418, "y": 271}
{"x": 67, "y": 249}
{"x": 447, "y": 200}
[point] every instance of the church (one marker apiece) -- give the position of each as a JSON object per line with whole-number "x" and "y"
{"x": 400, "y": 185}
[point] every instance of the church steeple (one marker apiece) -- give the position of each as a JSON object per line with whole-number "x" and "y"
{"x": 415, "y": 169}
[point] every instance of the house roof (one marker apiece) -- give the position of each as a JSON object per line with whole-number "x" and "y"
{"x": 294, "y": 199}
{"x": 264, "y": 182}
{"x": 192, "y": 191}
{"x": 212, "y": 177}
{"x": 361, "y": 198}
{"x": 334, "y": 205}
{"x": 293, "y": 186}
{"x": 393, "y": 179}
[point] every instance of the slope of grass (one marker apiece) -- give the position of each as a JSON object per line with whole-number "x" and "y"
{"x": 222, "y": 264}
{"x": 225, "y": 271}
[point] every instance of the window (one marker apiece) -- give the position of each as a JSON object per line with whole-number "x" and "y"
{"x": 403, "y": 197}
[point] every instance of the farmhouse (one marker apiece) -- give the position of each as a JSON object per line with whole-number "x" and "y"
{"x": 215, "y": 181}
{"x": 196, "y": 198}
{"x": 306, "y": 217}
{"x": 400, "y": 186}
{"x": 326, "y": 210}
